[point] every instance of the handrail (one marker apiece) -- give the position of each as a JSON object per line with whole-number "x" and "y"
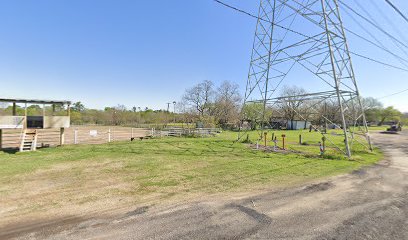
{"x": 22, "y": 133}
{"x": 34, "y": 143}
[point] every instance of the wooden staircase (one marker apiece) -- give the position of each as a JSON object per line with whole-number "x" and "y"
{"x": 28, "y": 141}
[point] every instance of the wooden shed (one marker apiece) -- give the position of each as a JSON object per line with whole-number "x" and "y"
{"x": 29, "y": 124}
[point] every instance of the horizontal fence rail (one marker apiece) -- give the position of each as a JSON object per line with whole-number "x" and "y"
{"x": 76, "y": 135}
{"x": 178, "y": 132}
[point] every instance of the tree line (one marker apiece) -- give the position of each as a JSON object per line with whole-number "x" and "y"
{"x": 319, "y": 112}
{"x": 208, "y": 105}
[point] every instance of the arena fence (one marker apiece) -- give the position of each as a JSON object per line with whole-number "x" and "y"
{"x": 76, "y": 135}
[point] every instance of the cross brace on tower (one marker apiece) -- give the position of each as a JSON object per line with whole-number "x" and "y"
{"x": 307, "y": 34}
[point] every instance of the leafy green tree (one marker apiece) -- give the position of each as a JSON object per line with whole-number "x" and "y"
{"x": 34, "y": 110}
{"x": 389, "y": 114}
{"x": 76, "y": 118}
{"x": 404, "y": 119}
{"x": 252, "y": 113}
{"x": 372, "y": 108}
{"x": 78, "y": 107}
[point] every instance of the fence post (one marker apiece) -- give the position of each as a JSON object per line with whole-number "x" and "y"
{"x": 131, "y": 134}
{"x": 300, "y": 139}
{"x": 62, "y": 136}
{"x": 109, "y": 135}
{"x": 76, "y": 136}
{"x": 1, "y": 139}
{"x": 283, "y": 141}
{"x": 266, "y": 144}
{"x": 368, "y": 137}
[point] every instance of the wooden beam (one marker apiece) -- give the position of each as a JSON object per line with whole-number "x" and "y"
{"x": 14, "y": 109}
{"x": 62, "y": 136}
{"x": 25, "y": 116}
{"x": 69, "y": 110}
{"x": 1, "y": 139}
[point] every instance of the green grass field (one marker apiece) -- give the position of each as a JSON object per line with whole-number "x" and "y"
{"x": 378, "y": 128}
{"x": 172, "y": 166}
{"x": 160, "y": 169}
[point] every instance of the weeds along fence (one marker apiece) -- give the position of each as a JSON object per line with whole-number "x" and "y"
{"x": 160, "y": 127}
{"x": 156, "y": 126}
{"x": 76, "y": 135}
{"x": 188, "y": 132}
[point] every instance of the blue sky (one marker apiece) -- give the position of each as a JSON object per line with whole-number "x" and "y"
{"x": 145, "y": 53}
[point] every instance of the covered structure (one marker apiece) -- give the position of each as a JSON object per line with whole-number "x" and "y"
{"x": 30, "y": 123}
{"x": 298, "y": 124}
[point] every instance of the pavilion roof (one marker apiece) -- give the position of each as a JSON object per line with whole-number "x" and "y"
{"x": 34, "y": 101}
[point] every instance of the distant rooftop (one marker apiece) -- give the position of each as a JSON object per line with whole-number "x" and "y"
{"x": 34, "y": 101}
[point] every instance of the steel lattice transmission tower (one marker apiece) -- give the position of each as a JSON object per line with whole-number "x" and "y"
{"x": 306, "y": 34}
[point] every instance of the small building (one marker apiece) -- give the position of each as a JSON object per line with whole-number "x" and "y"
{"x": 298, "y": 124}
{"x": 30, "y": 123}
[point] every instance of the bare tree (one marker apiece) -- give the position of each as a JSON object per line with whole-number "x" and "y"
{"x": 200, "y": 97}
{"x": 290, "y": 106}
{"x": 227, "y": 102}
{"x": 371, "y": 103}
{"x": 328, "y": 113}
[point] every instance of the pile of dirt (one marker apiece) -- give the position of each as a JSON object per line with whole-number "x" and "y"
{"x": 270, "y": 149}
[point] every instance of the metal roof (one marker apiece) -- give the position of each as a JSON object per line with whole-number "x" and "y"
{"x": 33, "y": 101}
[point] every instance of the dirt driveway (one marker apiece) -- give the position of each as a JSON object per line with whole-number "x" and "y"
{"x": 369, "y": 204}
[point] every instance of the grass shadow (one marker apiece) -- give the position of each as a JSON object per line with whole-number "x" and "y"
{"x": 10, "y": 150}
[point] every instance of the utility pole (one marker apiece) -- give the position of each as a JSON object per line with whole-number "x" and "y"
{"x": 167, "y": 113}
{"x": 174, "y": 111}
{"x": 307, "y": 36}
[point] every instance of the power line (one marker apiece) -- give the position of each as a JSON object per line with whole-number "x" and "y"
{"x": 396, "y": 9}
{"x": 262, "y": 19}
{"x": 378, "y": 24}
{"x": 391, "y": 23}
{"x": 373, "y": 24}
{"x": 377, "y": 44}
{"x": 399, "y": 58}
{"x": 356, "y": 54}
{"x": 397, "y": 93}
{"x": 237, "y": 9}
{"x": 379, "y": 62}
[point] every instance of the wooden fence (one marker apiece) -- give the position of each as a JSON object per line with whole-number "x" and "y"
{"x": 76, "y": 135}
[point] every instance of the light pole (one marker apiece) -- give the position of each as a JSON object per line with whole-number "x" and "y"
{"x": 174, "y": 111}
{"x": 168, "y": 113}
